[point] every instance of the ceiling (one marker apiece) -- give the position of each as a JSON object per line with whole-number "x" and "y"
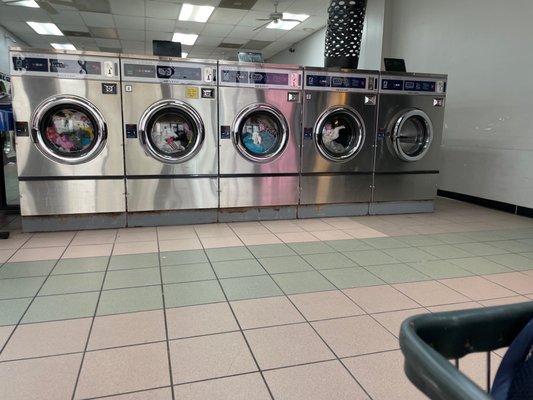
{"x": 129, "y": 26}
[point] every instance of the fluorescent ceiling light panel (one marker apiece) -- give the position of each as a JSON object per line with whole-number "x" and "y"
{"x": 185, "y": 38}
{"x": 24, "y": 3}
{"x": 288, "y": 25}
{"x": 184, "y": 54}
{"x": 190, "y": 12}
{"x": 45, "y": 28}
{"x": 63, "y": 46}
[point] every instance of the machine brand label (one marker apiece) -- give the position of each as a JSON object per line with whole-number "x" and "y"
{"x": 269, "y": 78}
{"x": 30, "y": 64}
{"x": 192, "y": 92}
{"x": 179, "y": 73}
{"x": 109, "y": 88}
{"x": 207, "y": 93}
{"x": 234, "y": 76}
{"x": 80, "y": 67}
{"x": 131, "y": 131}
{"x": 225, "y": 132}
{"x": 21, "y": 128}
{"x": 164, "y": 72}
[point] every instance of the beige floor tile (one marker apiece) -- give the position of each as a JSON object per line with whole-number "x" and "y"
{"x": 241, "y": 387}
{"x": 477, "y": 288}
{"x": 431, "y": 293}
{"x": 364, "y": 233}
{"x": 126, "y": 369}
{"x": 288, "y": 345}
{"x": 322, "y": 381}
{"x": 12, "y": 243}
{"x": 47, "y": 339}
{"x": 6, "y": 254}
{"x": 39, "y": 378}
{"x": 504, "y": 301}
{"x": 324, "y": 305}
{"x": 336, "y": 234}
{"x": 265, "y": 312}
{"x": 213, "y": 230}
{"x": 5, "y": 332}
{"x": 135, "y": 248}
{"x": 454, "y": 307}
{"x": 176, "y": 232}
{"x": 297, "y": 237}
{"x": 36, "y": 254}
{"x": 248, "y": 229}
{"x": 383, "y": 377}
{"x": 355, "y": 335}
{"x": 93, "y": 250}
{"x": 200, "y": 320}
{"x": 380, "y": 298}
{"x": 84, "y": 238}
{"x": 221, "y": 241}
{"x": 180, "y": 244}
{"x": 263, "y": 238}
{"x": 474, "y": 366}
{"x": 343, "y": 223}
{"x": 515, "y": 281}
{"x": 393, "y": 320}
{"x": 127, "y": 329}
{"x": 50, "y": 239}
{"x": 130, "y": 235}
{"x": 154, "y": 394}
{"x": 313, "y": 225}
{"x": 207, "y": 357}
{"x": 282, "y": 226}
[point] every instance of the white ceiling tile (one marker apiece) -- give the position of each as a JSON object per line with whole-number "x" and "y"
{"x": 217, "y": 29}
{"x": 208, "y": 41}
{"x": 159, "y": 9}
{"x": 152, "y": 35}
{"x": 15, "y": 27}
{"x": 128, "y": 7}
{"x": 234, "y": 40}
{"x": 227, "y": 16}
{"x": 98, "y": 20}
{"x": 313, "y": 23}
{"x": 83, "y": 40}
{"x": 189, "y": 27}
{"x": 268, "y": 5}
{"x": 133, "y": 46}
{"x": 212, "y": 3}
{"x": 294, "y": 36}
{"x": 73, "y": 28}
{"x": 68, "y": 17}
{"x": 269, "y": 34}
{"x": 242, "y": 32}
{"x": 10, "y": 13}
{"x": 129, "y": 22}
{"x": 309, "y": 7}
{"x": 251, "y": 19}
{"x": 32, "y": 14}
{"x": 107, "y": 42}
{"x": 158, "y": 24}
{"x": 131, "y": 34}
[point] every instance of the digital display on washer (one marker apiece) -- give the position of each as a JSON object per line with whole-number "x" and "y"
{"x": 419, "y": 86}
{"x": 318, "y": 80}
{"x": 139, "y": 70}
{"x": 392, "y": 84}
{"x": 234, "y": 76}
{"x": 348, "y": 82}
{"x": 269, "y": 78}
{"x": 30, "y": 64}
{"x": 75, "y": 67}
{"x": 173, "y": 72}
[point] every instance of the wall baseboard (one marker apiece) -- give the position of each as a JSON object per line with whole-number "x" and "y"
{"x": 497, "y": 205}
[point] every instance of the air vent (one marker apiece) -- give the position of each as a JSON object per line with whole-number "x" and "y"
{"x": 103, "y": 33}
{"x": 230, "y": 45}
{"x": 238, "y": 4}
{"x": 76, "y": 33}
{"x": 256, "y": 44}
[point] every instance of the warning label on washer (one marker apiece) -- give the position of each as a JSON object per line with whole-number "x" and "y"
{"x": 192, "y": 92}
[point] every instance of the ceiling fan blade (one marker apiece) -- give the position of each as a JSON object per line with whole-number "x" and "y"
{"x": 263, "y": 19}
{"x": 290, "y": 20}
{"x": 261, "y": 26}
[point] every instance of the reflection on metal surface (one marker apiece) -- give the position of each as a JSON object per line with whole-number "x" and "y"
{"x": 334, "y": 189}
{"x": 404, "y": 187}
{"x": 258, "y": 191}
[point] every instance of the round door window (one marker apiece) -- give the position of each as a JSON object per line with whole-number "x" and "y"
{"x": 260, "y": 133}
{"x": 412, "y": 135}
{"x": 172, "y": 131}
{"x": 339, "y": 134}
{"x": 68, "y": 129}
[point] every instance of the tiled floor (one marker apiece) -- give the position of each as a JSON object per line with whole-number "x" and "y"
{"x": 306, "y": 309}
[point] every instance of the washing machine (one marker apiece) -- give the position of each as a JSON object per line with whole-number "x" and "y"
{"x": 260, "y": 113}
{"x": 339, "y": 126}
{"x": 170, "y": 136}
{"x": 410, "y": 125}
{"x": 68, "y": 139}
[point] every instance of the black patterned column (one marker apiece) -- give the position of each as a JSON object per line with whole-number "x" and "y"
{"x": 344, "y": 32}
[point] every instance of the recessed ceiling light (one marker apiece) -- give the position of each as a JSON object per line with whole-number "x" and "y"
{"x": 185, "y": 38}
{"x": 45, "y": 28}
{"x": 23, "y": 3}
{"x": 184, "y": 54}
{"x": 288, "y": 25}
{"x": 190, "y": 12}
{"x": 63, "y": 46}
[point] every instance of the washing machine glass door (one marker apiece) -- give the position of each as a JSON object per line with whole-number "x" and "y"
{"x": 411, "y": 135}
{"x": 171, "y": 131}
{"x": 69, "y": 129}
{"x": 339, "y": 134}
{"x": 260, "y": 133}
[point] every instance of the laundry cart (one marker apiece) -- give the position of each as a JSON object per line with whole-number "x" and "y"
{"x": 429, "y": 341}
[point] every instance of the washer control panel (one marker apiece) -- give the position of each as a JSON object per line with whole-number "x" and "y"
{"x": 258, "y": 77}
{"x": 341, "y": 82}
{"x": 413, "y": 85}
{"x": 159, "y": 71}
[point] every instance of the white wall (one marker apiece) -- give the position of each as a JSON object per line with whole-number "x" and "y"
{"x": 485, "y": 48}
{"x": 308, "y": 52}
{"x": 5, "y": 42}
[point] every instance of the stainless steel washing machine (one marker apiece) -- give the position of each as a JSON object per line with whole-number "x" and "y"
{"x": 68, "y": 139}
{"x": 260, "y": 129}
{"x": 410, "y": 125}
{"x": 170, "y": 135}
{"x": 339, "y": 125}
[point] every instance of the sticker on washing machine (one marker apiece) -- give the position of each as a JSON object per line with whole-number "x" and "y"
{"x": 131, "y": 131}
{"x": 192, "y": 92}
{"x": 208, "y": 93}
{"x": 21, "y": 128}
{"x": 225, "y": 132}
{"x": 308, "y": 133}
{"x": 381, "y": 134}
{"x": 109, "y": 88}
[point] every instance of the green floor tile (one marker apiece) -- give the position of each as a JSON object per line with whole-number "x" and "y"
{"x": 73, "y": 283}
{"x": 65, "y": 306}
{"x": 302, "y": 282}
{"x": 509, "y": 234}
{"x": 130, "y": 300}
{"x": 351, "y": 277}
{"x": 397, "y": 273}
{"x": 236, "y": 268}
{"x": 481, "y": 249}
{"x": 80, "y": 265}
{"x": 26, "y": 269}
{"x": 329, "y": 261}
{"x": 11, "y": 310}
{"x": 183, "y": 257}
{"x": 132, "y": 277}
{"x": 451, "y": 238}
{"x": 349, "y": 245}
{"x": 370, "y": 257}
{"x": 228, "y": 253}
{"x": 278, "y": 265}
{"x": 480, "y": 265}
{"x": 130, "y": 261}
{"x": 187, "y": 273}
{"x": 444, "y": 252}
{"x": 513, "y": 246}
{"x": 441, "y": 269}
{"x": 513, "y": 261}
{"x": 528, "y": 255}
{"x": 419, "y": 240}
{"x": 484, "y": 236}
{"x": 250, "y": 287}
{"x": 385, "y": 243}
{"x": 271, "y": 250}
{"x": 20, "y": 287}
{"x": 193, "y": 293}
{"x": 311, "y": 248}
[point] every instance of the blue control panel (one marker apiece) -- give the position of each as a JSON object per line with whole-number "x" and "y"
{"x": 255, "y": 77}
{"x": 346, "y": 82}
{"x": 412, "y": 86}
{"x": 392, "y": 84}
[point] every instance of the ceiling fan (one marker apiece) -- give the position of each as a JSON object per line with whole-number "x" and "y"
{"x": 275, "y": 17}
